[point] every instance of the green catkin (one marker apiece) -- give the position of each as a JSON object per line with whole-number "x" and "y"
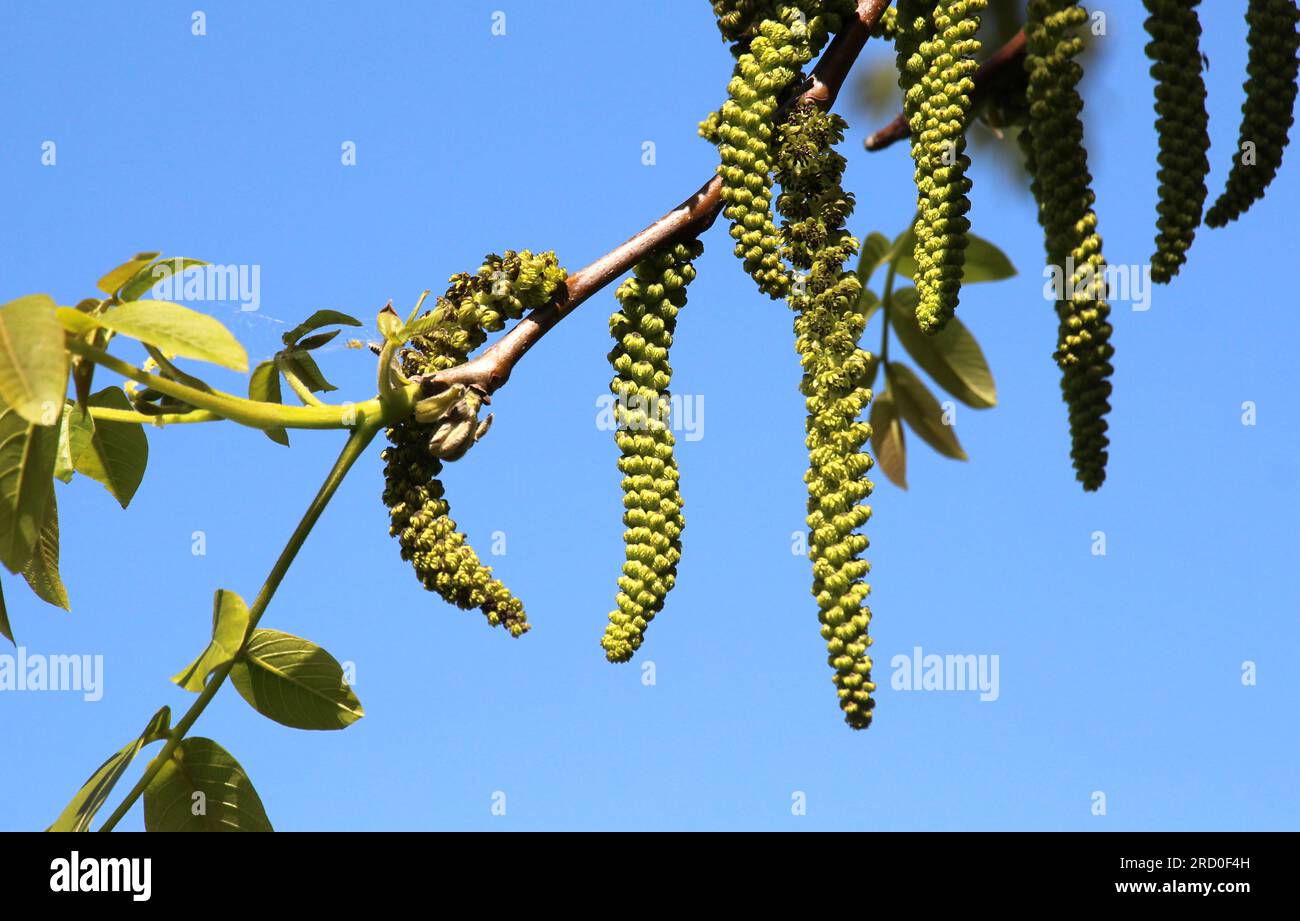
{"x": 781, "y": 39}
{"x": 738, "y": 20}
{"x": 887, "y": 25}
{"x": 643, "y": 332}
{"x": 1182, "y": 129}
{"x": 473, "y": 306}
{"x": 1266, "y": 115}
{"x": 935, "y": 41}
{"x": 1058, "y": 164}
{"x": 836, "y": 391}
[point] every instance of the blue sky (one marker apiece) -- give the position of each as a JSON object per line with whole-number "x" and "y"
{"x": 1119, "y": 674}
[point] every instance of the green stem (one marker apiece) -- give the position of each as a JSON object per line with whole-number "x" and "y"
{"x": 255, "y": 413}
{"x": 108, "y": 414}
{"x": 357, "y": 442}
{"x": 297, "y": 386}
{"x": 886, "y": 304}
{"x": 391, "y": 396}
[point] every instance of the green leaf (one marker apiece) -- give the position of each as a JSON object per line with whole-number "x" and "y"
{"x": 201, "y": 787}
{"x": 114, "y": 453}
{"x": 951, "y": 356}
{"x": 176, "y": 330}
{"x": 264, "y": 386}
{"x": 421, "y": 325}
{"x": 64, "y": 467}
{"x": 171, "y": 372}
{"x": 316, "y": 321}
{"x": 922, "y": 411}
{"x": 887, "y": 440}
{"x": 900, "y": 252}
{"x": 316, "y": 341}
{"x": 42, "y": 570}
{"x": 390, "y": 325}
{"x": 26, "y": 478}
{"x": 125, "y": 272}
{"x": 229, "y": 626}
{"x": 985, "y": 262}
{"x": 873, "y": 253}
{"x": 5, "y": 630}
{"x": 94, "y": 792}
{"x": 304, "y": 367}
{"x": 74, "y": 320}
{"x": 148, "y": 277}
{"x": 33, "y": 359}
{"x": 294, "y": 682}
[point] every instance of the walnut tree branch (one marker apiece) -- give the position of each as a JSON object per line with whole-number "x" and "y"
{"x": 1009, "y": 56}
{"x": 491, "y": 369}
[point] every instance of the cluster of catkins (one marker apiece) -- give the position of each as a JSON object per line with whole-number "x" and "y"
{"x": 1058, "y": 166}
{"x": 1266, "y": 114}
{"x": 643, "y": 333}
{"x": 836, "y": 389}
{"x": 1062, "y": 186}
{"x": 1182, "y": 120}
{"x": 935, "y": 41}
{"x": 765, "y": 133}
{"x": 762, "y": 135}
{"x": 772, "y": 41}
{"x": 473, "y": 306}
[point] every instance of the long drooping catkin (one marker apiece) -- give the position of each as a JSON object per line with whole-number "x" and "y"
{"x": 1061, "y": 183}
{"x": 643, "y": 331}
{"x": 1182, "y": 128}
{"x": 1266, "y": 115}
{"x": 474, "y": 305}
{"x": 835, "y": 388}
{"x": 774, "y": 41}
{"x": 935, "y": 41}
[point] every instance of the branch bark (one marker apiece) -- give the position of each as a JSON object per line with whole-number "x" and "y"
{"x": 1012, "y": 54}
{"x": 491, "y": 368}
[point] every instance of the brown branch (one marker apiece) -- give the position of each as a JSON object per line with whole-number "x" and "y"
{"x": 491, "y": 369}
{"x": 1010, "y": 55}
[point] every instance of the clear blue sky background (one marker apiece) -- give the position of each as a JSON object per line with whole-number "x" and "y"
{"x": 1119, "y": 674}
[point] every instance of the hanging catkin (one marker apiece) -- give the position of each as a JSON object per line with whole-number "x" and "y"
{"x": 738, "y": 20}
{"x": 1182, "y": 129}
{"x": 781, "y": 38}
{"x": 1266, "y": 115}
{"x": 835, "y": 388}
{"x": 887, "y": 25}
{"x": 473, "y": 306}
{"x": 935, "y": 41}
{"x": 643, "y": 333}
{"x": 1058, "y": 165}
